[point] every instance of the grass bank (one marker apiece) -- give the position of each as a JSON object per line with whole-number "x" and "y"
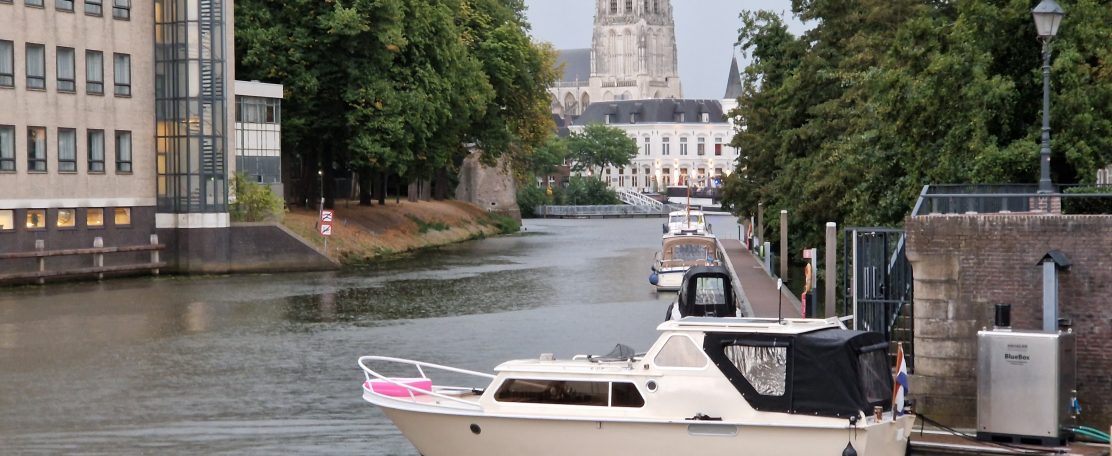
{"x": 363, "y": 234}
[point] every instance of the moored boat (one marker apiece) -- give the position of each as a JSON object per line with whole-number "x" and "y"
{"x": 678, "y": 253}
{"x": 708, "y": 386}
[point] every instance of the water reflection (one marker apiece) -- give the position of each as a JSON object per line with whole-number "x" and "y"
{"x": 266, "y": 363}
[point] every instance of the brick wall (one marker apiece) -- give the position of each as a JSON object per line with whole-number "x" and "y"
{"x": 964, "y": 264}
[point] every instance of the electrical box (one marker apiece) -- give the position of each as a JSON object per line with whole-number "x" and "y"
{"x": 1025, "y": 386}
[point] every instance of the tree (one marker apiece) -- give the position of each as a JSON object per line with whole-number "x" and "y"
{"x": 600, "y": 146}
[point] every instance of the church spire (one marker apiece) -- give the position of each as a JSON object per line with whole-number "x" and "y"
{"x": 733, "y": 82}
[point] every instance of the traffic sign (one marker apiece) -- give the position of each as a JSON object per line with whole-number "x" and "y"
{"x": 326, "y": 216}
{"x": 325, "y": 229}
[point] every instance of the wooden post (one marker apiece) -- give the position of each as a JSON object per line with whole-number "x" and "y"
{"x": 154, "y": 254}
{"x": 40, "y": 245}
{"x": 760, "y": 224}
{"x": 783, "y": 244}
{"x": 831, "y": 267}
{"x": 98, "y": 258}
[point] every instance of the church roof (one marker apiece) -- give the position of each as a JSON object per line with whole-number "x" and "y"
{"x": 733, "y": 84}
{"x": 653, "y": 111}
{"x": 577, "y": 64}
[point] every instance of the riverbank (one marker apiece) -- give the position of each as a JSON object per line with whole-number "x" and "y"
{"x": 366, "y": 233}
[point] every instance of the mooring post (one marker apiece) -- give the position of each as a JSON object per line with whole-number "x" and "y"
{"x": 831, "y": 267}
{"x": 154, "y": 253}
{"x": 40, "y": 246}
{"x": 760, "y": 224}
{"x": 784, "y": 243}
{"x": 98, "y": 257}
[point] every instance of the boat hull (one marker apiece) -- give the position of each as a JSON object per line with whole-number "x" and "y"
{"x": 435, "y": 434}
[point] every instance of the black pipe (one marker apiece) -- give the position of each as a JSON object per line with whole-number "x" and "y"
{"x": 1003, "y": 316}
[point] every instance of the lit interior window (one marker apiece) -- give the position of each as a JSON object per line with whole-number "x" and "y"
{"x": 67, "y": 218}
{"x": 94, "y": 217}
{"x": 36, "y": 219}
{"x": 7, "y": 220}
{"x": 123, "y": 216}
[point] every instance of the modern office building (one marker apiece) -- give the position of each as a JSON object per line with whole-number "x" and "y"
{"x": 114, "y": 124}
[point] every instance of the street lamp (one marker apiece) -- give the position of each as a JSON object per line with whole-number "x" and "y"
{"x": 1048, "y": 16}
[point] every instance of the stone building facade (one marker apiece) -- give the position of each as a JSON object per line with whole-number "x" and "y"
{"x": 632, "y": 57}
{"x": 965, "y": 264}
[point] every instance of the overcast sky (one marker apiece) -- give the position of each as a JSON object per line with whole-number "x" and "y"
{"x": 705, "y": 34}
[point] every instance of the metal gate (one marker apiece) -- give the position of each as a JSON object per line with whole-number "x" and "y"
{"x": 878, "y": 288}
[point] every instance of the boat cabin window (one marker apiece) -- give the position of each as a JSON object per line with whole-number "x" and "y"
{"x": 570, "y": 392}
{"x": 688, "y": 252}
{"x": 680, "y": 351}
{"x": 710, "y": 291}
{"x": 766, "y": 368}
{"x": 875, "y": 377}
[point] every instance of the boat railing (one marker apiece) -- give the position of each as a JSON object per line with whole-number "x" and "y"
{"x": 371, "y": 374}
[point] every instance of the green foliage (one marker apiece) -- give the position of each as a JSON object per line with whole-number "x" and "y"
{"x": 505, "y": 223}
{"x": 847, "y": 122}
{"x": 599, "y": 146}
{"x": 1088, "y": 205}
{"x": 529, "y": 198}
{"x": 583, "y": 191}
{"x": 424, "y": 227}
{"x": 254, "y": 202}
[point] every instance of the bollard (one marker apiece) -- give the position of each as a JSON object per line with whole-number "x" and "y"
{"x": 98, "y": 257}
{"x": 831, "y": 267}
{"x": 154, "y": 253}
{"x": 784, "y": 243}
{"x": 40, "y": 246}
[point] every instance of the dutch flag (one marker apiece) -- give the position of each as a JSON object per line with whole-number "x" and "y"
{"x": 899, "y": 387}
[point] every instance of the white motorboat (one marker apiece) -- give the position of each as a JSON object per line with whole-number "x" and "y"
{"x": 678, "y": 253}
{"x": 687, "y": 222}
{"x": 708, "y": 386}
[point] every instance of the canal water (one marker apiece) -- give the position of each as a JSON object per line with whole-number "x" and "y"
{"x": 267, "y": 363}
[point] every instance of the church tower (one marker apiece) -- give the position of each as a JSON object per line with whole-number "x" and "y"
{"x": 633, "y": 50}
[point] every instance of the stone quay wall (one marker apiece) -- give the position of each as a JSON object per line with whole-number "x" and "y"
{"x": 965, "y": 264}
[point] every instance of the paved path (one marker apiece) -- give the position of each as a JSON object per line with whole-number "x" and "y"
{"x": 758, "y": 289}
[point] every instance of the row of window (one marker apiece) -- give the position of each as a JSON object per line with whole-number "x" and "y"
{"x": 121, "y": 9}
{"x": 629, "y": 6}
{"x": 700, "y": 147}
{"x": 67, "y": 150}
{"x": 258, "y": 110}
{"x": 36, "y": 219}
{"x": 65, "y": 69}
{"x": 666, "y": 171}
{"x": 679, "y": 117}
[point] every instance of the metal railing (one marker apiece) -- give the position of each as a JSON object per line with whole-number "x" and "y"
{"x": 637, "y": 199}
{"x": 611, "y": 210}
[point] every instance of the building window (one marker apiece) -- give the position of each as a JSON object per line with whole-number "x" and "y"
{"x": 121, "y": 216}
{"x": 629, "y": 6}
{"x": 680, "y": 117}
{"x": 36, "y": 219}
{"x": 701, "y": 147}
{"x": 121, "y": 9}
{"x": 67, "y": 218}
{"x": 37, "y": 3}
{"x": 7, "y": 64}
{"x": 93, "y": 8}
{"x": 7, "y": 148}
{"x": 94, "y": 72}
{"x": 646, "y": 6}
{"x": 66, "y": 72}
{"x": 717, "y": 146}
{"x": 656, "y": 6}
{"x": 613, "y": 6}
{"x": 122, "y": 74}
{"x": 96, "y": 151}
{"x": 648, "y": 146}
{"x": 94, "y": 217}
{"x": 67, "y": 150}
{"x": 36, "y": 66}
{"x": 632, "y": 117}
{"x": 36, "y": 149}
{"x": 123, "y": 151}
{"x": 7, "y": 220}
{"x": 63, "y": 5}
{"x": 683, "y": 146}
{"x": 704, "y": 117}
{"x": 665, "y": 146}
{"x": 607, "y": 119}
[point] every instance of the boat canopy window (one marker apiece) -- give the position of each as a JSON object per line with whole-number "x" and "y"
{"x": 766, "y": 368}
{"x": 680, "y": 351}
{"x": 690, "y": 252}
{"x": 710, "y": 291}
{"x": 831, "y": 372}
{"x": 570, "y": 392}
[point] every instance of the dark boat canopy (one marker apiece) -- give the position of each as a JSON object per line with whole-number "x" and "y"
{"x": 831, "y": 372}
{"x": 706, "y": 291}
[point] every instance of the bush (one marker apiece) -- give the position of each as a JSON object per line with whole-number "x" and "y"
{"x": 586, "y": 191}
{"x": 530, "y": 198}
{"x": 1088, "y": 205}
{"x": 254, "y": 202}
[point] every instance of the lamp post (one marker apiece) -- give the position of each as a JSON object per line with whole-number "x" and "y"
{"x": 1048, "y": 16}
{"x": 320, "y": 214}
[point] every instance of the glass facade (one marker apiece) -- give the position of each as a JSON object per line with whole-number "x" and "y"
{"x": 190, "y": 106}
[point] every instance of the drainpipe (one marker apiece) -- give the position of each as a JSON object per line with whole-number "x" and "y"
{"x": 1052, "y": 262}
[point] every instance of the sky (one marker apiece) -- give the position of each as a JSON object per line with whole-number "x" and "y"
{"x": 705, "y": 34}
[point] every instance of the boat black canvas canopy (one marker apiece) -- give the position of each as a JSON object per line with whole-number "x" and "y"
{"x": 831, "y": 372}
{"x": 706, "y": 291}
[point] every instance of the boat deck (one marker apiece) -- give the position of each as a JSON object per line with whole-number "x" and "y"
{"x": 938, "y": 443}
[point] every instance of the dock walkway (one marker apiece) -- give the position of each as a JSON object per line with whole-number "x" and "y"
{"x": 758, "y": 289}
